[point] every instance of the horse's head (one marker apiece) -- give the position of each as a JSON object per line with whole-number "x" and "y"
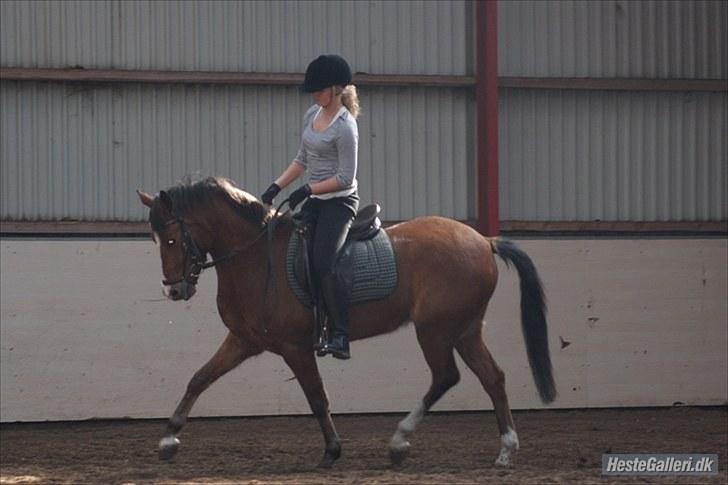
{"x": 182, "y": 257}
{"x": 191, "y": 220}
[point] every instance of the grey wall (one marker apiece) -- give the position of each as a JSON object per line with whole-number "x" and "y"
{"x": 665, "y": 39}
{"x": 79, "y": 151}
{"x": 569, "y": 155}
{"x": 408, "y": 37}
{"x": 577, "y": 155}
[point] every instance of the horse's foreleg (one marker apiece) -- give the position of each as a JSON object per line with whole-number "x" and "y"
{"x": 230, "y": 354}
{"x": 303, "y": 364}
{"x": 440, "y": 358}
{"x": 475, "y": 354}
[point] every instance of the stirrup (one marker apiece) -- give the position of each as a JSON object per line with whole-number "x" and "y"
{"x": 321, "y": 342}
{"x": 320, "y": 349}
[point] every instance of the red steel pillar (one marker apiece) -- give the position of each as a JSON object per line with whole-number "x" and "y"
{"x": 486, "y": 94}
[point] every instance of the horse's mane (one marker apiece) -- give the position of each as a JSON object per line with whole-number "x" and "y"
{"x": 188, "y": 196}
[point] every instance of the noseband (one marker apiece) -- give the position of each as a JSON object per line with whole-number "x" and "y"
{"x": 192, "y": 252}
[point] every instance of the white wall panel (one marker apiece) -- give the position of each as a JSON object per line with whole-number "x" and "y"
{"x": 666, "y": 39}
{"x": 643, "y": 323}
{"x": 613, "y": 156}
{"x": 382, "y": 37}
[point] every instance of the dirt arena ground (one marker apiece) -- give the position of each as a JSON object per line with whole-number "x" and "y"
{"x": 458, "y": 448}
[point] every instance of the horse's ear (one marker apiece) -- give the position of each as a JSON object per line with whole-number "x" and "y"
{"x": 146, "y": 199}
{"x": 166, "y": 200}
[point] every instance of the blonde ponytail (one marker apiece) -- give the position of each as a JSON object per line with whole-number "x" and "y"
{"x": 349, "y": 98}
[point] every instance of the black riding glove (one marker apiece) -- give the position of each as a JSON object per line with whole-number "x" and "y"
{"x": 270, "y": 194}
{"x": 299, "y": 196}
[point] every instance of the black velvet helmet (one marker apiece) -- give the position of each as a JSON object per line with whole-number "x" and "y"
{"x": 324, "y": 71}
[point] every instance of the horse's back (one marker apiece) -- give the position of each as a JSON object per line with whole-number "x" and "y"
{"x": 448, "y": 263}
{"x": 453, "y": 241}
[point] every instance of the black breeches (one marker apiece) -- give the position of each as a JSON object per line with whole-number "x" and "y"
{"x": 331, "y": 219}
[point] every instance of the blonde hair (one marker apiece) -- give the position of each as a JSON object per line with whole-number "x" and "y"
{"x": 349, "y": 98}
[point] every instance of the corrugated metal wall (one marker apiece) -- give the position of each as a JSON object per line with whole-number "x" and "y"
{"x": 384, "y": 37}
{"x": 80, "y": 151}
{"x": 664, "y": 39}
{"x": 612, "y": 155}
{"x": 570, "y": 155}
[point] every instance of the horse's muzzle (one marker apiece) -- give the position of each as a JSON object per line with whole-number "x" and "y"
{"x": 179, "y": 291}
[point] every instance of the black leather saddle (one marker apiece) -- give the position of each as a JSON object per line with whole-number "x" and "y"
{"x": 366, "y": 225}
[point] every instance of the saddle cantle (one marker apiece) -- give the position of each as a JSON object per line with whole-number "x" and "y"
{"x": 367, "y": 262}
{"x": 366, "y": 224}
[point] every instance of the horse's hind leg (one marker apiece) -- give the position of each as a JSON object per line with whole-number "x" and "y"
{"x": 472, "y": 349}
{"x": 303, "y": 364}
{"x": 439, "y": 356}
{"x": 230, "y": 354}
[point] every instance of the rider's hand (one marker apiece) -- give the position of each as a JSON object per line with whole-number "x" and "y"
{"x": 299, "y": 196}
{"x": 270, "y": 194}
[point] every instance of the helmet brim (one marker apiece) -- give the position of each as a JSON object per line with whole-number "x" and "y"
{"x": 311, "y": 88}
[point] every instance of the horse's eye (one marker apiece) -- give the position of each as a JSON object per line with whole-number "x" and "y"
{"x": 170, "y": 242}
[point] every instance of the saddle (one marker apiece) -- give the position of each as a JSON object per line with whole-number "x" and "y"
{"x": 366, "y": 263}
{"x": 366, "y": 224}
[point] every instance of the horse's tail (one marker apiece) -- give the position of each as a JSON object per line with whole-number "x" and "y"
{"x": 533, "y": 316}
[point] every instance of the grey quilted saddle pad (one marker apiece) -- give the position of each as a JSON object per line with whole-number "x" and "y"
{"x": 375, "y": 269}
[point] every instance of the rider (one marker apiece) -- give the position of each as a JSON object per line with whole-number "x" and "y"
{"x": 329, "y": 144}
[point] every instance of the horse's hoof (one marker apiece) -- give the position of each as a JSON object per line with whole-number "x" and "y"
{"x": 503, "y": 461}
{"x": 326, "y": 462}
{"x": 330, "y": 456}
{"x": 397, "y": 454}
{"x": 168, "y": 448}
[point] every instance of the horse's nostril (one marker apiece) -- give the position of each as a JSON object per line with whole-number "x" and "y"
{"x": 173, "y": 293}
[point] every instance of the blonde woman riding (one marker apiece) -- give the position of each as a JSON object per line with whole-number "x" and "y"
{"x": 328, "y": 152}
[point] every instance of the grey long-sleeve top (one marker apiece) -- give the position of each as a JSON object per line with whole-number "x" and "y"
{"x": 332, "y": 152}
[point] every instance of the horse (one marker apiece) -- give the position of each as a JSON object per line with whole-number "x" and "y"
{"x": 447, "y": 274}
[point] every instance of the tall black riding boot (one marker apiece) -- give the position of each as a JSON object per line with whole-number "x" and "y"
{"x": 336, "y": 299}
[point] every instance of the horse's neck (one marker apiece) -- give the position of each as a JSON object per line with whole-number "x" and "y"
{"x": 233, "y": 234}
{"x": 228, "y": 237}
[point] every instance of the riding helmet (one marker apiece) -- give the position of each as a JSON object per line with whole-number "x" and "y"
{"x": 324, "y": 71}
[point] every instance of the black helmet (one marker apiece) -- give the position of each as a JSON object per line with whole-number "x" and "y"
{"x": 324, "y": 71}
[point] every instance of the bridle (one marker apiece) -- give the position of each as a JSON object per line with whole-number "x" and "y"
{"x": 197, "y": 257}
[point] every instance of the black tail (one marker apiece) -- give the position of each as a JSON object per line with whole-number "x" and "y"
{"x": 533, "y": 316}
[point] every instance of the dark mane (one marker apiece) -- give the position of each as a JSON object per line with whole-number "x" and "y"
{"x": 188, "y": 196}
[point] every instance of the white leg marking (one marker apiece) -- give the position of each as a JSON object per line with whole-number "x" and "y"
{"x": 168, "y": 441}
{"x": 509, "y": 444}
{"x": 406, "y": 427}
{"x": 165, "y": 289}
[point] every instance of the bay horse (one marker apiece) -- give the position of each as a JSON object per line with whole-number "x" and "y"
{"x": 446, "y": 276}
